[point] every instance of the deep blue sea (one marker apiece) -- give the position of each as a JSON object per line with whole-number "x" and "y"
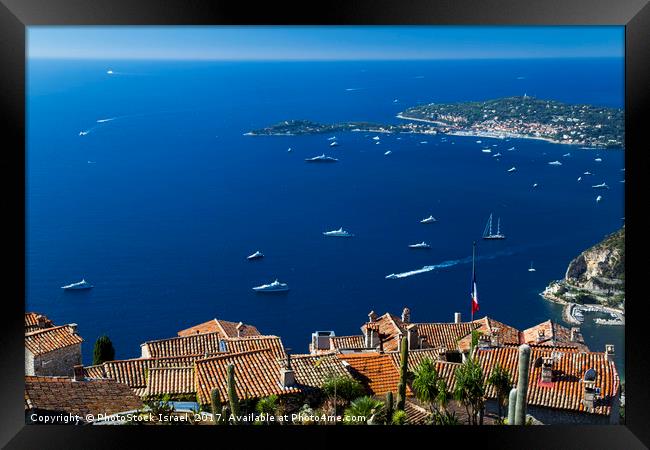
{"x": 175, "y": 196}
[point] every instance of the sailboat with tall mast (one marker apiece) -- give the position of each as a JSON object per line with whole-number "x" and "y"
{"x": 487, "y": 232}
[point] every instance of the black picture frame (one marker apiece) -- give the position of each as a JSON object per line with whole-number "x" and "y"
{"x": 16, "y": 15}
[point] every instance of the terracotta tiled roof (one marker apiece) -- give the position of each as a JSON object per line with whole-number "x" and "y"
{"x": 443, "y": 334}
{"x": 206, "y": 343}
{"x": 415, "y": 414}
{"x": 31, "y": 322}
{"x": 247, "y": 344}
{"x": 347, "y": 342}
{"x": 63, "y": 395}
{"x": 569, "y": 367}
{"x": 224, "y": 327}
{"x": 445, "y": 369}
{"x": 313, "y": 370}
{"x": 50, "y": 339}
{"x": 170, "y": 380}
{"x": 504, "y": 334}
{"x": 390, "y": 327}
{"x": 257, "y": 374}
{"x": 553, "y": 334}
{"x": 133, "y": 372}
{"x": 375, "y": 371}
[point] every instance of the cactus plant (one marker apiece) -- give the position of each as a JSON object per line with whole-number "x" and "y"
{"x": 232, "y": 393}
{"x": 512, "y": 402}
{"x": 217, "y": 410}
{"x": 522, "y": 384}
{"x": 389, "y": 406}
{"x": 403, "y": 373}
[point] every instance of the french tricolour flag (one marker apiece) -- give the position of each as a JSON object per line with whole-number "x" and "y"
{"x": 474, "y": 294}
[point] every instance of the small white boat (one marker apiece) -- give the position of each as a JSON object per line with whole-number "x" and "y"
{"x": 109, "y": 72}
{"x": 587, "y": 173}
{"x": 511, "y": 149}
{"x": 486, "y": 150}
{"x": 392, "y": 276}
{"x": 334, "y": 144}
{"x": 395, "y": 101}
{"x": 338, "y": 233}
{"x": 623, "y": 169}
{"x": 375, "y": 138}
{"x": 602, "y": 185}
{"x": 555, "y": 163}
{"x": 420, "y": 245}
{"x": 512, "y": 169}
{"x": 333, "y": 138}
{"x": 257, "y": 255}
{"x": 377, "y": 143}
{"x": 566, "y": 154}
{"x": 599, "y": 198}
{"x": 83, "y": 284}
{"x": 531, "y": 268}
{"x": 321, "y": 158}
{"x": 83, "y": 133}
{"x": 535, "y": 185}
{"x": 579, "y": 178}
{"x": 426, "y": 142}
{"x": 276, "y": 286}
{"x": 289, "y": 150}
{"x": 478, "y": 142}
{"x": 598, "y": 159}
{"x": 494, "y": 145}
{"x": 387, "y": 152}
{"x": 429, "y": 219}
{"x": 496, "y": 155}
{"x": 622, "y": 181}
{"x": 92, "y": 162}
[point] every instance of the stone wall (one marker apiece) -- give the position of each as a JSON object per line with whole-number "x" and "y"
{"x": 550, "y": 416}
{"x": 56, "y": 363}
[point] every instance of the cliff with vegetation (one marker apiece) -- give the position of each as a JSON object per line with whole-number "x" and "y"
{"x": 597, "y": 275}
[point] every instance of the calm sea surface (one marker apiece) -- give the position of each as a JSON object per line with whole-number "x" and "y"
{"x": 159, "y": 207}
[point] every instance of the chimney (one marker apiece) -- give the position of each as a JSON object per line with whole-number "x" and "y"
{"x": 541, "y": 335}
{"x": 287, "y": 375}
{"x": 457, "y": 317}
{"x": 372, "y": 335}
{"x": 575, "y": 334}
{"x": 412, "y": 336}
{"x": 372, "y": 316}
{"x": 609, "y": 352}
{"x": 406, "y": 315}
{"x": 547, "y": 369}
{"x": 73, "y": 328}
{"x": 40, "y": 320}
{"x": 484, "y": 340}
{"x": 442, "y": 354}
{"x": 240, "y": 328}
{"x": 589, "y": 390}
{"x": 78, "y": 373}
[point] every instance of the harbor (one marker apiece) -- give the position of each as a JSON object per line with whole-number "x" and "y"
{"x": 574, "y": 314}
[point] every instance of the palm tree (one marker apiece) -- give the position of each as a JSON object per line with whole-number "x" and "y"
{"x": 425, "y": 384}
{"x": 469, "y": 389}
{"x": 267, "y": 406}
{"x": 364, "y": 410}
{"x": 500, "y": 380}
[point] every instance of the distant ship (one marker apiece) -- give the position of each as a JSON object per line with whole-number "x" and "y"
{"x": 602, "y": 185}
{"x": 487, "y": 232}
{"x": 512, "y": 169}
{"x": 392, "y": 276}
{"x": 486, "y": 150}
{"x": 276, "y": 286}
{"x": 321, "y": 158}
{"x": 511, "y": 149}
{"x": 531, "y": 268}
{"x": 599, "y": 198}
{"x": 555, "y": 163}
{"x": 579, "y": 178}
{"x": 375, "y": 138}
{"x": 333, "y": 138}
{"x": 420, "y": 245}
{"x": 587, "y": 173}
{"x": 109, "y": 72}
{"x": 289, "y": 150}
{"x": 567, "y": 154}
{"x": 426, "y": 142}
{"x": 83, "y": 133}
{"x": 83, "y": 284}
{"x": 598, "y": 159}
{"x": 338, "y": 233}
{"x": 429, "y": 219}
{"x": 257, "y": 255}
{"x": 478, "y": 142}
{"x": 496, "y": 155}
{"x": 535, "y": 185}
{"x": 334, "y": 144}
{"x": 387, "y": 152}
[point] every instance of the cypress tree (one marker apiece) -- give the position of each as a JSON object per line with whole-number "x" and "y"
{"x": 403, "y": 373}
{"x": 103, "y": 350}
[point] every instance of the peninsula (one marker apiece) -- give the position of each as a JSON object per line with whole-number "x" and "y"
{"x": 510, "y": 117}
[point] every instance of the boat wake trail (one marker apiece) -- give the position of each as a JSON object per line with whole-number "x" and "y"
{"x": 445, "y": 264}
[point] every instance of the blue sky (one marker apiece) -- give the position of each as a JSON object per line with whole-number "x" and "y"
{"x": 323, "y": 42}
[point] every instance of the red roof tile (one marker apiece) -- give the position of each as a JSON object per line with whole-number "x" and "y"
{"x": 170, "y": 380}
{"x": 247, "y": 344}
{"x": 50, "y": 339}
{"x": 375, "y": 371}
{"x": 204, "y": 344}
{"x": 31, "y": 322}
{"x": 223, "y": 327}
